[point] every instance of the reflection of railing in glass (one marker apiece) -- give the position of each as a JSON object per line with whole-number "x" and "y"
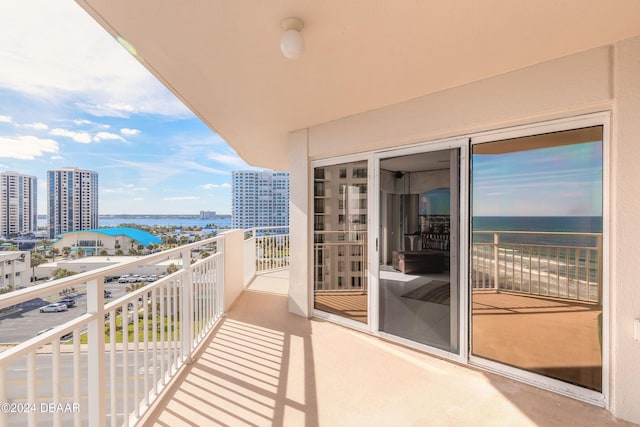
{"x": 570, "y": 271}
{"x": 329, "y": 254}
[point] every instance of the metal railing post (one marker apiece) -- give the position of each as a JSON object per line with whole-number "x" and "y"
{"x": 95, "y": 330}
{"x": 496, "y": 267}
{"x": 219, "y": 286}
{"x": 600, "y": 279}
{"x": 186, "y": 317}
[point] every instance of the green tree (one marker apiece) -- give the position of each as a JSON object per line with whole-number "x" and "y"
{"x": 59, "y": 273}
{"x": 53, "y": 252}
{"x": 103, "y": 252}
{"x": 172, "y": 268}
{"x": 36, "y": 260}
{"x": 81, "y": 252}
{"x": 119, "y": 252}
{"x": 66, "y": 251}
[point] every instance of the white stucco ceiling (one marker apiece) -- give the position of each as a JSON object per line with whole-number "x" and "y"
{"x": 222, "y": 57}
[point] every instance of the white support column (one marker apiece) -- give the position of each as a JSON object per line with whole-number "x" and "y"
{"x": 300, "y": 270}
{"x": 95, "y": 329}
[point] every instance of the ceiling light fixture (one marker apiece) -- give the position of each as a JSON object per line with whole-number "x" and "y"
{"x": 292, "y": 43}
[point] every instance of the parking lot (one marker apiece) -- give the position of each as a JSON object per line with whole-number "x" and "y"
{"x": 24, "y": 321}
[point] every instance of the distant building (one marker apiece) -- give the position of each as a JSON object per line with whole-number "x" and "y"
{"x": 259, "y": 199}
{"x": 18, "y": 204}
{"x": 15, "y": 268}
{"x": 72, "y": 200}
{"x": 208, "y": 215}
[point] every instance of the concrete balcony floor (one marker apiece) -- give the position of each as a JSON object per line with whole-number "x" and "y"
{"x": 264, "y": 367}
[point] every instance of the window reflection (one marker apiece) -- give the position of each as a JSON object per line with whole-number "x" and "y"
{"x": 536, "y": 264}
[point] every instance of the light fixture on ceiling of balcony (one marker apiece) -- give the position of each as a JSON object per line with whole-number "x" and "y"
{"x": 292, "y": 43}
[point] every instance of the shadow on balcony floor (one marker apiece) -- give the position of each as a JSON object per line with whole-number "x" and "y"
{"x": 266, "y": 367}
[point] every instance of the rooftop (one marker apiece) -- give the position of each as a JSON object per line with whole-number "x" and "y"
{"x": 142, "y": 237}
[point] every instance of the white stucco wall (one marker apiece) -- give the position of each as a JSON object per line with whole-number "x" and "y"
{"x": 601, "y": 79}
{"x": 233, "y": 266}
{"x": 300, "y": 220}
{"x": 625, "y": 232}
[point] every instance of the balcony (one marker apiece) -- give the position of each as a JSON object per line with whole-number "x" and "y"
{"x": 239, "y": 357}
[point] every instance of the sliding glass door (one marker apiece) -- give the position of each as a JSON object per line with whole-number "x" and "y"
{"x": 340, "y": 240}
{"x": 419, "y": 217}
{"x": 537, "y": 254}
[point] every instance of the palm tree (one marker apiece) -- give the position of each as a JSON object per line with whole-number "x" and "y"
{"x": 36, "y": 260}
{"x": 81, "y": 252}
{"x": 66, "y": 251}
{"x": 103, "y": 252}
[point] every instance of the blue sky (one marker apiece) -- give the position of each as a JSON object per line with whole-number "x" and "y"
{"x": 557, "y": 181}
{"x": 70, "y": 95}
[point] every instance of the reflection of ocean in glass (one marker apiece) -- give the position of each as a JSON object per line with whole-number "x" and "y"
{"x": 542, "y": 224}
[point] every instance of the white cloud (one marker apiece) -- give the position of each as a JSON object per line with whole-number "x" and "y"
{"x": 125, "y": 190}
{"x": 26, "y": 147}
{"x": 182, "y": 198}
{"x": 35, "y": 125}
{"x": 78, "y": 61}
{"x": 230, "y": 159}
{"x": 129, "y": 132}
{"x": 212, "y": 186}
{"x": 100, "y": 136}
{"x": 82, "y": 137}
{"x": 57, "y": 157}
{"x": 5, "y": 119}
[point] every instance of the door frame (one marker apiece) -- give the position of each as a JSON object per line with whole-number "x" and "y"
{"x": 462, "y": 144}
{"x": 332, "y": 161}
{"x": 564, "y": 388}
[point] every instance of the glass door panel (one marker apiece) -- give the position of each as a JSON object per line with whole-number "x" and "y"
{"x": 536, "y": 254}
{"x": 340, "y": 240}
{"x": 418, "y": 256}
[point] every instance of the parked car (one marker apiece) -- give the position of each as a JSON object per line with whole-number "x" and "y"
{"x": 152, "y": 278}
{"x": 69, "y": 302}
{"x": 53, "y": 308}
{"x": 107, "y": 294}
{"x": 124, "y": 279}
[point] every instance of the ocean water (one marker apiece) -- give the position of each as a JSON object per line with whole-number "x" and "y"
{"x": 164, "y": 221}
{"x": 539, "y": 224}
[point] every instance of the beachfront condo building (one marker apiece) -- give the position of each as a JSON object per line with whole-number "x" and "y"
{"x": 259, "y": 199}
{"x": 72, "y": 200}
{"x": 18, "y": 204}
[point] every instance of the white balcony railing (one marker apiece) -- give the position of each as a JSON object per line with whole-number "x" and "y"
{"x": 106, "y": 366}
{"x": 265, "y": 249}
{"x": 559, "y": 265}
{"x": 339, "y": 261}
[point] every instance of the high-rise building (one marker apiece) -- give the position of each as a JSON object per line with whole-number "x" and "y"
{"x": 72, "y": 202}
{"x": 260, "y": 199}
{"x": 18, "y": 204}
